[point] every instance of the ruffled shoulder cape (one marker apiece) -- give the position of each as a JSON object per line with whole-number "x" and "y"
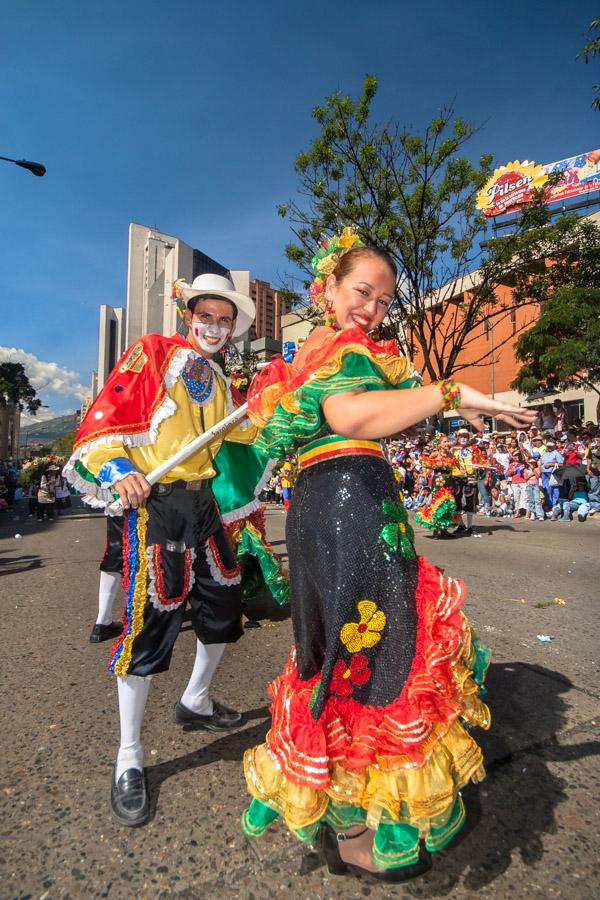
{"x": 132, "y": 404}
{"x": 286, "y": 402}
{"x": 134, "y": 391}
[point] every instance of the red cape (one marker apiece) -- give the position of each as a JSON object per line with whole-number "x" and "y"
{"x": 133, "y": 391}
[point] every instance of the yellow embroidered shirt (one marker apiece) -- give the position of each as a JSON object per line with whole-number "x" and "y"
{"x": 187, "y": 422}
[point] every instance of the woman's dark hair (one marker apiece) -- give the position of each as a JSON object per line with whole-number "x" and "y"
{"x": 349, "y": 260}
{"x": 193, "y": 302}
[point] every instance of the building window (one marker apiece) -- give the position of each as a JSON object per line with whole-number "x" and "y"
{"x": 112, "y": 344}
{"x": 513, "y": 319}
{"x": 573, "y": 411}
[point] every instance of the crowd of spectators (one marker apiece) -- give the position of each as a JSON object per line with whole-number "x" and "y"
{"x": 45, "y": 492}
{"x": 549, "y": 471}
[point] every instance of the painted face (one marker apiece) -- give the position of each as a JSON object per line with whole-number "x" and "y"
{"x": 211, "y": 325}
{"x": 462, "y": 440}
{"x": 210, "y": 338}
{"x": 362, "y": 298}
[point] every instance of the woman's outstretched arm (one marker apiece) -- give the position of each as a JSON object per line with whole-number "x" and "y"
{"x": 369, "y": 415}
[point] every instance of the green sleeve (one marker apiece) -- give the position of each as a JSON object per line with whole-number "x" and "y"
{"x": 286, "y": 431}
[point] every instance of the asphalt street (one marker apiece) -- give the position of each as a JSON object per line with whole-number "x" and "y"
{"x": 533, "y": 828}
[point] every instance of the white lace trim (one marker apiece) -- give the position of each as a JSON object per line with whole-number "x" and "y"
{"x": 243, "y": 512}
{"x": 216, "y": 572}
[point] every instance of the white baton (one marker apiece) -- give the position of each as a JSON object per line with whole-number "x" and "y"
{"x": 116, "y": 508}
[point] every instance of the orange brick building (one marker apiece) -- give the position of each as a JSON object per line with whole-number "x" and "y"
{"x": 490, "y": 364}
{"x": 488, "y": 355}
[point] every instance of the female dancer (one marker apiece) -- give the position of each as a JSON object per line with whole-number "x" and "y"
{"x": 441, "y": 512}
{"x": 368, "y": 744}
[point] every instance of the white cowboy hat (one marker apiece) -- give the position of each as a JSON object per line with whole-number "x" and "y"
{"x": 209, "y": 285}
{"x": 464, "y": 431}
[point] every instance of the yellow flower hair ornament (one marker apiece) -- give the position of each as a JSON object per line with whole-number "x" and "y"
{"x": 326, "y": 259}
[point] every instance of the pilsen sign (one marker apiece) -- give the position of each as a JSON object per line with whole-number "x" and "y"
{"x": 512, "y": 185}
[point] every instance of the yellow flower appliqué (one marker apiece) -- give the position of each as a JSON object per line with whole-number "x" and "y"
{"x": 366, "y": 633}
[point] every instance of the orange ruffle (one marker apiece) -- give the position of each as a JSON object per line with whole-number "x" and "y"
{"x": 277, "y": 382}
{"x": 406, "y": 732}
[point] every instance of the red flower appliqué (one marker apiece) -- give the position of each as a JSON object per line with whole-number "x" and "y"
{"x": 346, "y": 675}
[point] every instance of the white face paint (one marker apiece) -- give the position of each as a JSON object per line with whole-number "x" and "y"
{"x": 210, "y": 338}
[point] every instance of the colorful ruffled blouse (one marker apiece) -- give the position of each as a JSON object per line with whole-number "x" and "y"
{"x": 286, "y": 402}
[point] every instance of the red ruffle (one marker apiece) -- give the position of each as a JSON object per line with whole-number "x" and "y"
{"x": 280, "y": 378}
{"x": 355, "y": 736}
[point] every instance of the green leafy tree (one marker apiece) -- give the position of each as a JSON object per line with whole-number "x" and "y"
{"x": 587, "y": 52}
{"x": 16, "y": 389}
{"x": 415, "y": 196}
{"x": 63, "y": 446}
{"x": 562, "y": 349}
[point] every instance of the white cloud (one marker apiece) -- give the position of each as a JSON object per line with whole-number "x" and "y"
{"x": 44, "y": 414}
{"x": 46, "y": 376}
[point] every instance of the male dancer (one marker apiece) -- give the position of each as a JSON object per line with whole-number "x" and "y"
{"x": 111, "y": 575}
{"x": 162, "y": 393}
{"x": 465, "y": 480}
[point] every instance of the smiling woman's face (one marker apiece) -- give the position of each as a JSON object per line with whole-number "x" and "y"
{"x": 361, "y": 299}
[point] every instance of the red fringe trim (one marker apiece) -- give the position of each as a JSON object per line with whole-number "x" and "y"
{"x": 353, "y": 735}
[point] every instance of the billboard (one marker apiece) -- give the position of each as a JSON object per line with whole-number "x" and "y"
{"x": 512, "y": 185}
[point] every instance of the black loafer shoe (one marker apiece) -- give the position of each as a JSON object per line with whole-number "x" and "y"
{"x": 129, "y": 798}
{"x": 105, "y": 632}
{"x": 222, "y": 718}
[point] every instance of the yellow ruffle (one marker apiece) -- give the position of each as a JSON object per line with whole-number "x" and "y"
{"x": 420, "y": 796}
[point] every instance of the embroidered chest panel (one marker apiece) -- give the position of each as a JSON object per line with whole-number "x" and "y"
{"x": 199, "y": 380}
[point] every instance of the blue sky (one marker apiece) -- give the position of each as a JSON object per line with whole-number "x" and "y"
{"x": 189, "y": 116}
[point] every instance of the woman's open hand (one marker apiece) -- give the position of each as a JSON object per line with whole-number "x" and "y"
{"x": 474, "y": 404}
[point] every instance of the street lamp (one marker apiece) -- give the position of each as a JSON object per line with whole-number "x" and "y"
{"x": 37, "y": 168}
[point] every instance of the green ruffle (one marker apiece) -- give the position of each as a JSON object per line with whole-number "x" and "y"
{"x": 396, "y": 844}
{"x": 480, "y": 662}
{"x": 270, "y": 568}
{"x": 441, "y": 519}
{"x": 286, "y": 431}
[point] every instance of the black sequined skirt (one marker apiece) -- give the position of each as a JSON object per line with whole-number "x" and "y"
{"x": 353, "y": 600}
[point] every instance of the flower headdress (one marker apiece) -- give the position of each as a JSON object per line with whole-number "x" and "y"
{"x": 326, "y": 259}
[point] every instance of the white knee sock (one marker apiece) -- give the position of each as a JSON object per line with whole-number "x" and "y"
{"x": 469, "y": 519}
{"x": 195, "y": 696}
{"x": 110, "y": 583}
{"x": 133, "y": 693}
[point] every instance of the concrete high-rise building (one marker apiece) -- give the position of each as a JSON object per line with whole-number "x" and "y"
{"x": 155, "y": 261}
{"x": 270, "y": 307}
{"x": 111, "y": 342}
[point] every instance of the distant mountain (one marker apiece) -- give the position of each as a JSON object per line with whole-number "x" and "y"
{"x": 46, "y": 432}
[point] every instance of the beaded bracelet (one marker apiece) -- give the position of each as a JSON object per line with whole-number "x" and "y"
{"x": 451, "y": 398}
